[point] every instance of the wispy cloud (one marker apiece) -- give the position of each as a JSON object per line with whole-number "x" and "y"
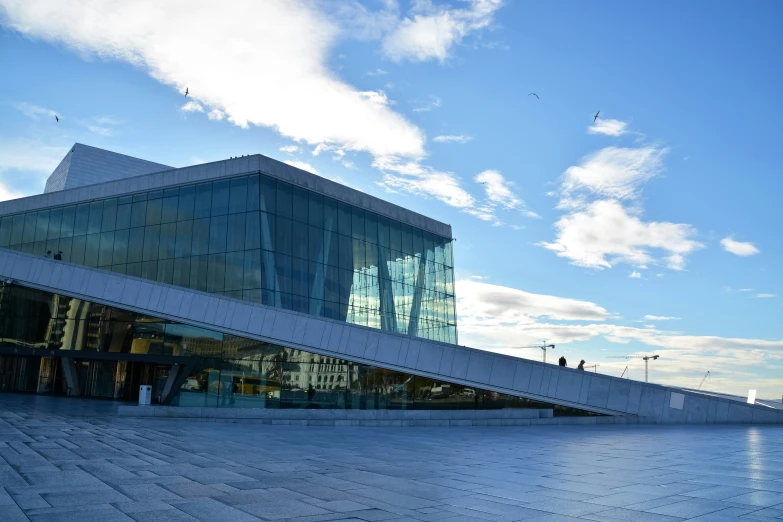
{"x": 35, "y": 112}
{"x": 765, "y": 296}
{"x": 376, "y": 72}
{"x": 500, "y": 192}
{"x": 192, "y": 106}
{"x": 660, "y": 318}
{"x": 433, "y": 103}
{"x": 739, "y": 248}
{"x": 608, "y": 127}
{"x": 635, "y": 275}
{"x": 599, "y": 230}
{"x": 459, "y": 138}
{"x": 290, "y": 149}
{"x": 432, "y": 31}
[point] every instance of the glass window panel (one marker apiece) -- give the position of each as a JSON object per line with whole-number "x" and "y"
{"x": 253, "y": 193}
{"x": 170, "y": 192}
{"x": 138, "y": 214}
{"x": 55, "y": 224}
{"x": 220, "y": 194}
{"x": 168, "y": 233}
{"x": 268, "y": 272}
{"x": 371, "y": 227}
{"x": 123, "y": 217}
{"x": 345, "y": 280}
{"x": 17, "y": 230}
{"x": 332, "y": 285}
{"x": 198, "y": 272}
{"x": 407, "y": 240}
{"x": 283, "y": 240}
{"x": 165, "y": 271}
{"x": 418, "y": 241}
{"x": 316, "y": 211}
{"x": 344, "y": 219}
{"x": 283, "y": 269}
{"x": 69, "y": 213}
{"x": 133, "y": 269}
{"x": 154, "y": 194}
{"x": 299, "y": 277}
{"x": 299, "y": 241}
{"x": 154, "y": 209}
{"x": 254, "y": 296}
{"x": 30, "y": 222}
{"x": 135, "y": 244}
{"x": 300, "y": 204}
{"x": 38, "y": 248}
{"x": 27, "y": 248}
{"x": 252, "y": 271}
{"x": 203, "y": 200}
{"x": 448, "y": 253}
{"x": 91, "y": 249}
{"x": 96, "y": 217}
{"x": 268, "y": 224}
{"x": 252, "y": 230}
{"x": 119, "y": 269}
{"x": 268, "y": 195}
{"x": 125, "y": 200}
{"x": 184, "y": 239}
{"x": 187, "y": 199}
{"x": 284, "y": 199}
{"x": 235, "y": 263}
{"x": 235, "y": 235}
{"x": 358, "y": 253}
{"x": 200, "y": 243}
{"x": 66, "y": 245}
{"x": 109, "y": 215}
{"x": 181, "y": 272}
{"x": 120, "y": 255}
{"x": 41, "y": 225}
{"x": 357, "y": 223}
{"x": 346, "y": 252}
{"x": 395, "y": 235}
{"x": 6, "y": 225}
{"x": 151, "y": 242}
{"x": 81, "y": 220}
{"x": 169, "y": 211}
{"x": 217, "y": 273}
{"x": 149, "y": 270}
{"x": 315, "y": 243}
{"x": 331, "y": 248}
{"x": 217, "y": 234}
{"x": 106, "y": 249}
{"x": 237, "y": 201}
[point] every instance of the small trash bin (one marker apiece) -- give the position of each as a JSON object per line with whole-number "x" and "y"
{"x": 145, "y": 394}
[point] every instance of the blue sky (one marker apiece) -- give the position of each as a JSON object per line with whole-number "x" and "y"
{"x": 654, "y": 230}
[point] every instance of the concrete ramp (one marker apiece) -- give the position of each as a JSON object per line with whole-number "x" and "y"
{"x": 637, "y": 401}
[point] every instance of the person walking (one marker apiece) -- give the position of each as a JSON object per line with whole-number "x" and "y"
{"x": 581, "y": 365}
{"x": 562, "y": 361}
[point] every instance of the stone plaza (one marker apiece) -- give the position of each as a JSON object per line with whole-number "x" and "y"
{"x": 75, "y": 460}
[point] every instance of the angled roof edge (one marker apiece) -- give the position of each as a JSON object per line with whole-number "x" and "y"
{"x": 221, "y": 169}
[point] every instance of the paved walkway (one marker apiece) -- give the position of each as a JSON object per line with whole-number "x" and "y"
{"x": 71, "y": 460}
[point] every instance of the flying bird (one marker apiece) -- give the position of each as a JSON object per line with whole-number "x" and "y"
{"x": 187, "y": 91}
{"x": 57, "y": 118}
{"x": 596, "y": 116}
{"x": 534, "y": 94}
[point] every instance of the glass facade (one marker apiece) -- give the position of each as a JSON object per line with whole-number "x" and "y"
{"x": 263, "y": 240}
{"x": 230, "y": 371}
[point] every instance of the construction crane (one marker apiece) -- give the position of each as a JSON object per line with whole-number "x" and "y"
{"x": 703, "y": 379}
{"x": 621, "y": 375}
{"x": 646, "y": 359}
{"x": 543, "y": 347}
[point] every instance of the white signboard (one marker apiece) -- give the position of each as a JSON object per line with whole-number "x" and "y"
{"x": 145, "y": 394}
{"x": 751, "y": 396}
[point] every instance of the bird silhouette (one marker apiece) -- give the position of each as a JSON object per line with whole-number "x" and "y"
{"x": 534, "y": 94}
{"x": 57, "y": 118}
{"x": 596, "y": 116}
{"x": 187, "y": 91}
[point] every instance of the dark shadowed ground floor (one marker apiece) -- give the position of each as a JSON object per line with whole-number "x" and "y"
{"x": 74, "y": 460}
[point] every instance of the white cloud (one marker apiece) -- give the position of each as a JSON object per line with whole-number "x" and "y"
{"x": 745, "y": 290}
{"x": 635, "y": 275}
{"x": 432, "y": 31}
{"x": 216, "y": 114}
{"x": 660, "y": 318}
{"x": 225, "y": 67}
{"x": 612, "y": 172}
{"x": 302, "y": 165}
{"x": 376, "y": 72}
{"x": 290, "y": 149}
{"x": 192, "y": 106}
{"x": 35, "y": 111}
{"x": 765, "y": 296}
{"x": 30, "y": 162}
{"x": 605, "y": 233}
{"x": 460, "y": 138}
{"x": 608, "y": 127}
{"x": 499, "y": 191}
{"x": 497, "y": 318}
{"x": 738, "y": 247}
{"x": 101, "y": 131}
